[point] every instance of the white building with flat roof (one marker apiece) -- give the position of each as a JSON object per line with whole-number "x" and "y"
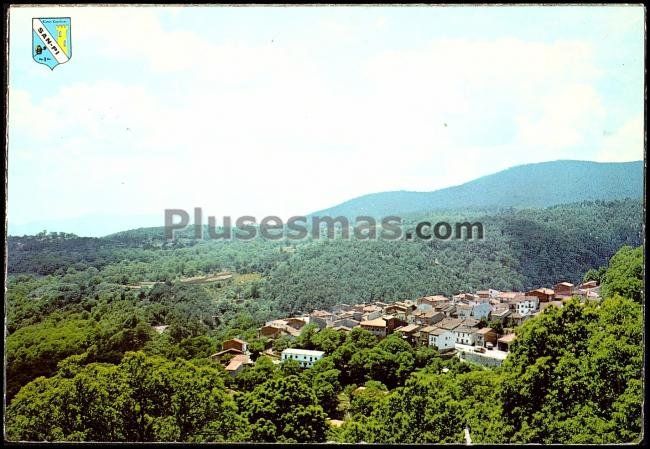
{"x": 305, "y": 357}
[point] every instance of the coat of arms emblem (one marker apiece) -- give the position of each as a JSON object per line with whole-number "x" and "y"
{"x": 51, "y": 41}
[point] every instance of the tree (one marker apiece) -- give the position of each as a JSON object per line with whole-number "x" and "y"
{"x": 284, "y": 409}
{"x": 141, "y": 399}
{"x": 306, "y": 338}
{"x": 290, "y": 367}
{"x": 249, "y": 378}
{"x": 256, "y": 347}
{"x": 196, "y": 347}
{"x": 624, "y": 275}
{"x": 390, "y": 361}
{"x": 595, "y": 275}
{"x": 35, "y": 350}
{"x": 327, "y": 340}
{"x": 579, "y": 365}
{"x": 364, "y": 400}
{"x": 497, "y": 325}
{"x": 424, "y": 355}
{"x": 326, "y": 386}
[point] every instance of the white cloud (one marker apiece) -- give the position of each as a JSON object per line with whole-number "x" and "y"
{"x": 625, "y": 144}
{"x": 563, "y": 119}
{"x": 278, "y": 129}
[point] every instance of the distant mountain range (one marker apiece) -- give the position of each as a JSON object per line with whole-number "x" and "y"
{"x": 531, "y": 185}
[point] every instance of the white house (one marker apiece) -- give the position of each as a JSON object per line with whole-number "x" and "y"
{"x": 463, "y": 310}
{"x": 442, "y": 339}
{"x": 493, "y": 293}
{"x": 476, "y": 310}
{"x": 305, "y": 357}
{"x": 465, "y": 335}
{"x": 525, "y": 305}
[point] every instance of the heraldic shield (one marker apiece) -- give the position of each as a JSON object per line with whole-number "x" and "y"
{"x": 51, "y": 41}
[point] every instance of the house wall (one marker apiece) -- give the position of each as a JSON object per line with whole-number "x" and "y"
{"x": 372, "y": 315}
{"x": 347, "y": 322}
{"x": 231, "y": 344}
{"x": 270, "y": 331}
{"x": 339, "y": 308}
{"x": 541, "y": 297}
{"x": 503, "y": 346}
{"x": 443, "y": 341}
{"x": 393, "y": 324}
{"x": 481, "y": 311}
{"x": 481, "y": 339}
{"x": 296, "y": 323}
{"x": 465, "y": 338}
{"x": 527, "y": 306}
{"x": 401, "y": 316}
{"x": 501, "y": 318}
{"x": 378, "y": 331}
{"x": 562, "y": 290}
{"x": 423, "y": 339}
{"x": 318, "y": 321}
{"x": 305, "y": 360}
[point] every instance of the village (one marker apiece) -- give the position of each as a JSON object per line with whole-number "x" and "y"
{"x": 477, "y": 327}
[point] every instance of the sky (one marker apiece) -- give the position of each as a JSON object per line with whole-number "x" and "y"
{"x": 288, "y": 110}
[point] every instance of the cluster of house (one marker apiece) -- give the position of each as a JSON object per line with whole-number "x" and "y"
{"x": 444, "y": 323}
{"x": 235, "y": 355}
{"x": 439, "y": 321}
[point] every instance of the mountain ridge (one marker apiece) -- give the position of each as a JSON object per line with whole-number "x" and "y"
{"x": 503, "y": 189}
{"x": 534, "y": 185}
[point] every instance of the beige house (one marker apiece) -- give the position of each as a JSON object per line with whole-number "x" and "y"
{"x": 376, "y": 327}
{"x": 504, "y": 342}
{"x": 485, "y": 335}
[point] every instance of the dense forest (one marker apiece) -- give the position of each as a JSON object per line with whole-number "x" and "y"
{"x": 521, "y": 249}
{"x": 85, "y": 365}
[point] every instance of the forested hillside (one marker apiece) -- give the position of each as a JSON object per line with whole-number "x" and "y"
{"x": 521, "y": 249}
{"x": 532, "y": 185}
{"x": 84, "y": 364}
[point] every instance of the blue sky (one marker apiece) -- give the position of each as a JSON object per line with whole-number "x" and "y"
{"x": 282, "y": 111}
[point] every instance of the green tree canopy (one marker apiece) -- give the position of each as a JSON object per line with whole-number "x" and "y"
{"x": 624, "y": 275}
